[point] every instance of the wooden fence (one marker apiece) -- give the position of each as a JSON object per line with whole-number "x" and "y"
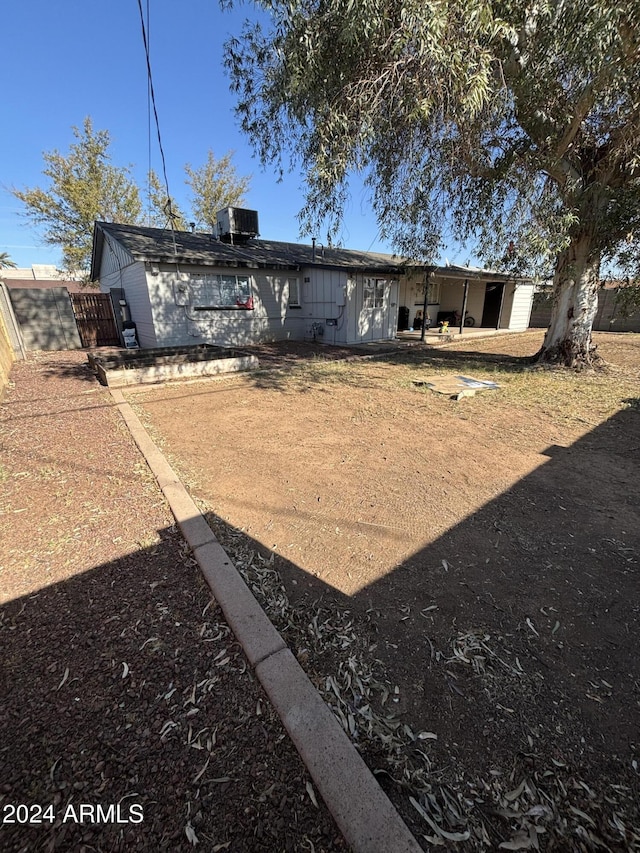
{"x": 95, "y": 320}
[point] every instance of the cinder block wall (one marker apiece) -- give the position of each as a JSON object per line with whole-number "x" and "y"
{"x": 607, "y": 319}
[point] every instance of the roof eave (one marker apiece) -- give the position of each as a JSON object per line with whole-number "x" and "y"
{"x": 96, "y": 252}
{"x": 190, "y": 260}
{"x": 474, "y": 275}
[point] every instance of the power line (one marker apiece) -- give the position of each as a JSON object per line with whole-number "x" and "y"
{"x": 168, "y": 210}
{"x": 148, "y": 128}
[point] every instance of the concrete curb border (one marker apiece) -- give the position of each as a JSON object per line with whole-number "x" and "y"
{"x": 363, "y": 813}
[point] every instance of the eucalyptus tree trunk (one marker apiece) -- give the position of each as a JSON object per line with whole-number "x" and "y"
{"x": 576, "y": 280}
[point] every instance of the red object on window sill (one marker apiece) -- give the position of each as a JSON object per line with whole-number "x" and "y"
{"x": 248, "y": 304}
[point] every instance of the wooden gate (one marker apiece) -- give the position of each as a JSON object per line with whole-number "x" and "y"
{"x": 95, "y": 320}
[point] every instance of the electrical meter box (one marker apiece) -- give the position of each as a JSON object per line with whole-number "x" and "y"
{"x": 341, "y": 295}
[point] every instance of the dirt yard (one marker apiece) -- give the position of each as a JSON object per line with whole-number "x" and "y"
{"x": 121, "y": 685}
{"x": 459, "y": 578}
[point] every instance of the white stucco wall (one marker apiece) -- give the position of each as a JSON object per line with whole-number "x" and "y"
{"x": 516, "y": 308}
{"x": 411, "y": 296}
{"x": 452, "y": 295}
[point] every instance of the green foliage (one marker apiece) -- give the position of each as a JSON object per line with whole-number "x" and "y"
{"x": 514, "y": 123}
{"x": 215, "y": 185}
{"x": 83, "y": 187}
{"x": 628, "y": 299}
{"x": 6, "y": 262}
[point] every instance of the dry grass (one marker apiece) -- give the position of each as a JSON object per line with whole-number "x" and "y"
{"x": 540, "y": 802}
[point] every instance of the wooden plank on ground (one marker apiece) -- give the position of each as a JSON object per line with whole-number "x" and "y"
{"x": 456, "y": 386}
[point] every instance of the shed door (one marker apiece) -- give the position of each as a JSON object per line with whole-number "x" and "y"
{"x": 392, "y": 310}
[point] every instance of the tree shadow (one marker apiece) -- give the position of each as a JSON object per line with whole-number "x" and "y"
{"x": 71, "y": 370}
{"x": 512, "y": 638}
{"x": 312, "y": 364}
{"x": 455, "y": 357}
{"x": 123, "y": 686}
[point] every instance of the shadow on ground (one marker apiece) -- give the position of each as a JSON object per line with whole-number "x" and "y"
{"x": 513, "y": 638}
{"x": 123, "y": 688}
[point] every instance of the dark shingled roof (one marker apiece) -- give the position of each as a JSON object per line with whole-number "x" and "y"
{"x": 156, "y": 245}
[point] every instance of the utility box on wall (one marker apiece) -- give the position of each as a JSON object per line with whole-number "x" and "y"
{"x": 341, "y": 295}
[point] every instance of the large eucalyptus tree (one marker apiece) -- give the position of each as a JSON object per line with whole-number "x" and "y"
{"x": 515, "y": 121}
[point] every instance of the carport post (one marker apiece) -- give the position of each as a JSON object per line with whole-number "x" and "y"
{"x": 465, "y": 299}
{"x": 428, "y": 273}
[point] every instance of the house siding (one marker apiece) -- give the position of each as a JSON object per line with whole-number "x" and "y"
{"x": 115, "y": 259}
{"x": 320, "y": 290}
{"x": 411, "y": 296}
{"x": 516, "y": 306}
{"x": 270, "y": 319}
{"x": 119, "y": 270}
{"x": 507, "y": 306}
{"x": 136, "y": 293}
{"x": 163, "y": 299}
{"x": 452, "y": 295}
{"x": 133, "y": 282}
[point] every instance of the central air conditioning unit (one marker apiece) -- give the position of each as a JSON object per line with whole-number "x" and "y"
{"x": 237, "y": 225}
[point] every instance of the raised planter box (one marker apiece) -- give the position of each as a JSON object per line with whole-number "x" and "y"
{"x": 136, "y": 367}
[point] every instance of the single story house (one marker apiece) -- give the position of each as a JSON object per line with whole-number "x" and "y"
{"x": 231, "y": 288}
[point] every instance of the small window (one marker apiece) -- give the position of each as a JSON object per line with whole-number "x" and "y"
{"x": 433, "y": 293}
{"x": 373, "y": 294}
{"x": 294, "y": 293}
{"x": 367, "y": 298}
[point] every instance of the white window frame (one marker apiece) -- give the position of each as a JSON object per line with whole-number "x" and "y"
{"x": 433, "y": 295}
{"x": 220, "y": 291}
{"x": 373, "y": 291}
{"x": 293, "y": 301}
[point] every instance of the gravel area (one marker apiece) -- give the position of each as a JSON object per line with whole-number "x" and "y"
{"x": 129, "y": 719}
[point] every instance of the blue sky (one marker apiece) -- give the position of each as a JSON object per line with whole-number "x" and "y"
{"x": 65, "y": 60}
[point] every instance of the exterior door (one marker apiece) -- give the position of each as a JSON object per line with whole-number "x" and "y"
{"x": 375, "y": 322}
{"x": 392, "y": 309}
{"x": 492, "y": 303}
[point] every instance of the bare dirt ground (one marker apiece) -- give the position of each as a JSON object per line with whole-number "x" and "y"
{"x": 121, "y": 685}
{"x": 460, "y": 579}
